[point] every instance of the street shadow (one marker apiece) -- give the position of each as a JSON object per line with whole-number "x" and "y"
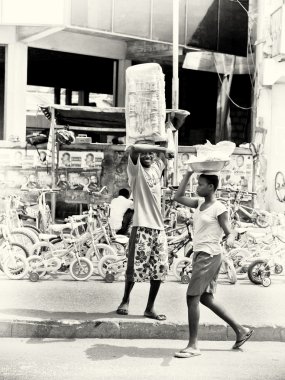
{"x": 43, "y": 314}
{"x": 99, "y": 352}
{"x": 102, "y": 351}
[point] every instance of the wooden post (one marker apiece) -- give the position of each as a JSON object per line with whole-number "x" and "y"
{"x": 175, "y": 77}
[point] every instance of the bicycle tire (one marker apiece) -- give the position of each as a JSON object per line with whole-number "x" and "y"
{"x": 12, "y": 269}
{"x": 37, "y": 265}
{"x": 25, "y": 237}
{"x": 41, "y": 247}
{"x": 103, "y": 250}
{"x": 261, "y": 222}
{"x": 103, "y": 264}
{"x": 178, "y": 266}
{"x": 119, "y": 248}
{"x": 256, "y": 277}
{"x": 78, "y": 265}
{"x": 32, "y": 228}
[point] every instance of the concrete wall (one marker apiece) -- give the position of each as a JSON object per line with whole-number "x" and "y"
{"x": 270, "y": 109}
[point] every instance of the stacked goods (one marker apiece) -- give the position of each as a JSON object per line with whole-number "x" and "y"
{"x": 211, "y": 158}
{"x": 145, "y": 103}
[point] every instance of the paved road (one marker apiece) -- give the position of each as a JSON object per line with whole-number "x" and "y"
{"x": 64, "y": 298}
{"x": 85, "y": 359}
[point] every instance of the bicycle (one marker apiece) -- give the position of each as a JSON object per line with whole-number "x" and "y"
{"x": 44, "y": 255}
{"x": 103, "y": 233}
{"x": 260, "y": 218}
{"x": 271, "y": 253}
{"x": 13, "y": 256}
{"x": 18, "y": 232}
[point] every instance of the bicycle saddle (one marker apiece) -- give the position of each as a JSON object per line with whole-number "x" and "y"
{"x": 121, "y": 239}
{"x": 61, "y": 227}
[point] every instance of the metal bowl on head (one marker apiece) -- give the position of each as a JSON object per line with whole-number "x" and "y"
{"x": 207, "y": 166}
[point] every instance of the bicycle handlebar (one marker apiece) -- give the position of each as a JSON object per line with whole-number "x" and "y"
{"x": 237, "y": 191}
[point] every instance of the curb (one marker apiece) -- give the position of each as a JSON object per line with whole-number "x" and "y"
{"x": 126, "y": 329}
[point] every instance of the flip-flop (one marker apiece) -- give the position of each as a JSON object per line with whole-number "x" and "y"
{"x": 187, "y": 353}
{"x": 240, "y": 342}
{"x": 122, "y": 311}
{"x": 158, "y": 317}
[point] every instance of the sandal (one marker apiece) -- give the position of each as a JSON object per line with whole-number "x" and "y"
{"x": 151, "y": 315}
{"x": 122, "y": 311}
{"x": 187, "y": 353}
{"x": 240, "y": 342}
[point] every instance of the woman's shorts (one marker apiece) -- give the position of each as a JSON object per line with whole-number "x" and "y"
{"x": 148, "y": 255}
{"x": 204, "y": 273}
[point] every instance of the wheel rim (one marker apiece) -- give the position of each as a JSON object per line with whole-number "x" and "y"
{"x": 260, "y": 270}
{"x": 81, "y": 269}
{"x": 36, "y": 265}
{"x": 16, "y": 266}
{"x": 106, "y": 264}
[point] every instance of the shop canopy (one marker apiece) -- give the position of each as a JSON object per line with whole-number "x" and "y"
{"x": 111, "y": 117}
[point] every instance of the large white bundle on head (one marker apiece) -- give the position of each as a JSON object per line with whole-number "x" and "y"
{"x": 145, "y": 103}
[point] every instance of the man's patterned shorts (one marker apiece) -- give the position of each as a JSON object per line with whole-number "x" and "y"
{"x": 148, "y": 255}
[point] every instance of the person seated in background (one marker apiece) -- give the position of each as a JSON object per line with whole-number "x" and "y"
{"x": 119, "y": 207}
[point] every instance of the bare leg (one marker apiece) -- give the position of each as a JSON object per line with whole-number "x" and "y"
{"x": 193, "y": 320}
{"x": 154, "y": 288}
{"x": 209, "y": 301}
{"x": 124, "y": 305}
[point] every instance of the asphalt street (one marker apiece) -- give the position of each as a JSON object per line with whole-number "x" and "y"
{"x": 85, "y": 359}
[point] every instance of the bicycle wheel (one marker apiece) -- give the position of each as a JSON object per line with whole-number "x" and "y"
{"x": 257, "y": 270}
{"x": 109, "y": 263}
{"x": 101, "y": 250}
{"x": 120, "y": 249}
{"x": 262, "y": 220}
{"x": 81, "y": 269}
{"x": 43, "y": 247}
{"x": 15, "y": 265}
{"x": 32, "y": 228}
{"x": 37, "y": 265}
{"x": 181, "y": 267}
{"x": 25, "y": 237}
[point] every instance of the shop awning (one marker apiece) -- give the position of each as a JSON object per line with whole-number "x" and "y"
{"x": 111, "y": 117}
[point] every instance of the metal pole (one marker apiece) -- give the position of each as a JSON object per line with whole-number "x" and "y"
{"x": 175, "y": 77}
{"x": 53, "y": 164}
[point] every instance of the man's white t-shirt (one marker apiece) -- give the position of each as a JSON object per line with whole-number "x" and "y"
{"x": 145, "y": 184}
{"x": 118, "y": 207}
{"x": 207, "y": 230}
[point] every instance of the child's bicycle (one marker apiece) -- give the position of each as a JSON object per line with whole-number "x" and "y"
{"x": 46, "y": 258}
{"x": 13, "y": 256}
{"x": 259, "y": 271}
{"x": 111, "y": 267}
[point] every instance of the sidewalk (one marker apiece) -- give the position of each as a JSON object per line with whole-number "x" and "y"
{"x": 64, "y": 308}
